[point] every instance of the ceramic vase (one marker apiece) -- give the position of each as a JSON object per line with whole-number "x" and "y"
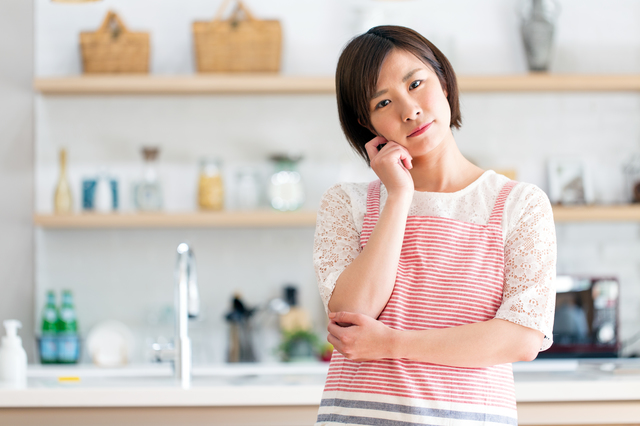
{"x": 538, "y": 27}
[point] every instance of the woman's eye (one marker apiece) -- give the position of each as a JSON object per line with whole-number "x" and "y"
{"x": 383, "y": 104}
{"x": 415, "y": 84}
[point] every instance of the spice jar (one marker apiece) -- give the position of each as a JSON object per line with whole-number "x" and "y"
{"x": 210, "y": 185}
{"x": 286, "y": 191}
{"x": 631, "y": 170}
{"x": 248, "y": 189}
{"x": 148, "y": 191}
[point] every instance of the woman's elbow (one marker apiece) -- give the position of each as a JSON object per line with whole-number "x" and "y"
{"x": 531, "y": 345}
{"x": 530, "y": 354}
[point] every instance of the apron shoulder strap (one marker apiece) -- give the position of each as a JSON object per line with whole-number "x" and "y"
{"x": 373, "y": 199}
{"x": 498, "y": 208}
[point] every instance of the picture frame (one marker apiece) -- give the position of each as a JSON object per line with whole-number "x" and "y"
{"x": 569, "y": 181}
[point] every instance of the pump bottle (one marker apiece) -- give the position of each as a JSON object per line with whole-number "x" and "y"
{"x": 13, "y": 358}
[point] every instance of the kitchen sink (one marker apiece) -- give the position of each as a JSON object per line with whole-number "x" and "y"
{"x": 161, "y": 375}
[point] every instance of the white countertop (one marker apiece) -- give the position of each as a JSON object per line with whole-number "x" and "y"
{"x": 290, "y": 384}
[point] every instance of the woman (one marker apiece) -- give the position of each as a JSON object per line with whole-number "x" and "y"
{"x": 437, "y": 276}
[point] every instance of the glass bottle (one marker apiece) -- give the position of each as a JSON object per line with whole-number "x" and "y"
{"x": 631, "y": 170}
{"x": 103, "y": 199}
{"x": 68, "y": 339}
{"x": 62, "y": 200}
{"x": 248, "y": 190}
{"x": 286, "y": 191}
{"x": 210, "y": 185}
{"x": 48, "y": 333}
{"x": 148, "y": 192}
{"x": 537, "y": 27}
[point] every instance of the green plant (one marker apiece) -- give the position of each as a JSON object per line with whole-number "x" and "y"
{"x": 299, "y": 344}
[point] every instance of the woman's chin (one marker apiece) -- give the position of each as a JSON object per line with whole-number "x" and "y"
{"x": 424, "y": 149}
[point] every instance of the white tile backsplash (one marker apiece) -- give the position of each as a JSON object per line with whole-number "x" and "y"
{"x": 128, "y": 274}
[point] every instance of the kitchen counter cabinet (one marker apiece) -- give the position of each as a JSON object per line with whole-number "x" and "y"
{"x": 596, "y": 394}
{"x": 161, "y": 416}
{"x": 546, "y": 413}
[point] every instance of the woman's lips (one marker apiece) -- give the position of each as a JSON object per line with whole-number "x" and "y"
{"x": 420, "y": 130}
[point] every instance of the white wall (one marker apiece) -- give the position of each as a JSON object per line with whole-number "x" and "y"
{"x": 127, "y": 274}
{"x": 16, "y": 166}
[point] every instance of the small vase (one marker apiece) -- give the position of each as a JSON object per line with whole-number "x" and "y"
{"x": 63, "y": 200}
{"x": 538, "y": 27}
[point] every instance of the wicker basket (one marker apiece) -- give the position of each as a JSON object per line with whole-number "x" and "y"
{"x": 114, "y": 49}
{"x": 237, "y": 45}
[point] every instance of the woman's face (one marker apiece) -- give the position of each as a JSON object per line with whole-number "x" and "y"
{"x": 409, "y": 106}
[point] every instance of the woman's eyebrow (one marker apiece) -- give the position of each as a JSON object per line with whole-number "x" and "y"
{"x": 409, "y": 74}
{"x": 404, "y": 80}
{"x": 380, "y": 93}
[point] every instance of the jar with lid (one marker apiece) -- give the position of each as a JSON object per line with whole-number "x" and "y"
{"x": 148, "y": 191}
{"x": 210, "y": 185}
{"x": 631, "y": 170}
{"x": 286, "y": 190}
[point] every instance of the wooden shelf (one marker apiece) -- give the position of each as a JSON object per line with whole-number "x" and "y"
{"x": 184, "y": 85}
{"x": 550, "y": 83}
{"x": 279, "y": 84}
{"x": 235, "y": 219}
{"x": 609, "y": 213}
{"x": 272, "y": 219}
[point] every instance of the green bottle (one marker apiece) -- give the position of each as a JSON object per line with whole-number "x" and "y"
{"x": 68, "y": 340}
{"x": 48, "y": 336}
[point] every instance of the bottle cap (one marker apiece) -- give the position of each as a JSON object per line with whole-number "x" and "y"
{"x": 291, "y": 295}
{"x": 12, "y": 326}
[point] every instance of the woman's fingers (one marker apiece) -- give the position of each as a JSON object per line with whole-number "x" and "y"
{"x": 334, "y": 329}
{"x": 393, "y": 149}
{"x": 372, "y": 146}
{"x": 337, "y": 344}
{"x": 405, "y": 158}
{"x": 346, "y": 317}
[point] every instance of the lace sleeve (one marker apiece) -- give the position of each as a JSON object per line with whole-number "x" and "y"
{"x": 336, "y": 242}
{"x": 530, "y": 265}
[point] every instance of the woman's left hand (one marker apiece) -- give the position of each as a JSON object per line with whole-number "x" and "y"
{"x": 360, "y": 337}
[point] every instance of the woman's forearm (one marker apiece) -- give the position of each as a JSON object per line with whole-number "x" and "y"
{"x": 365, "y": 286}
{"x": 473, "y": 345}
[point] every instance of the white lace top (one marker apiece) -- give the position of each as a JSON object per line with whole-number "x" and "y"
{"x": 528, "y": 235}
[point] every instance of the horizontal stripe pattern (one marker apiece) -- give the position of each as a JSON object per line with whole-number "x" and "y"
{"x": 450, "y": 273}
{"x": 416, "y": 411}
{"x": 361, "y": 408}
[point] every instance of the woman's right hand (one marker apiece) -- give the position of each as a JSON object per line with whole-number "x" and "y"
{"x": 392, "y": 164}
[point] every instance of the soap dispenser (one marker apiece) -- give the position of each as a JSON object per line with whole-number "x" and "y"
{"x": 13, "y": 358}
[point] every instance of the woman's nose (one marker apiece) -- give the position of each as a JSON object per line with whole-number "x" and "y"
{"x": 411, "y": 111}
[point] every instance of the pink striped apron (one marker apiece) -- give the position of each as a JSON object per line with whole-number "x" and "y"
{"x": 450, "y": 273}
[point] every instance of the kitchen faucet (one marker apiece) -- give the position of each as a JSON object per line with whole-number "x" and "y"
{"x": 187, "y": 305}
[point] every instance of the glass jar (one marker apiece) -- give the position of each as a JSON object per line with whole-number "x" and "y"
{"x": 148, "y": 192}
{"x": 210, "y": 185}
{"x": 631, "y": 170}
{"x": 247, "y": 190}
{"x": 286, "y": 190}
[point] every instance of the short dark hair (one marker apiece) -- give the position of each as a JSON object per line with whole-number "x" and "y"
{"x": 357, "y": 76}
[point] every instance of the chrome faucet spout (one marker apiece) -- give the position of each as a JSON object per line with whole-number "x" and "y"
{"x": 187, "y": 306}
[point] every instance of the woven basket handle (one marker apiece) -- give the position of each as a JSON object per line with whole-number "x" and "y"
{"x": 240, "y": 7}
{"x": 112, "y": 24}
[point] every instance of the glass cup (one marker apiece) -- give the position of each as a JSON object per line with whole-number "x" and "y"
{"x": 210, "y": 185}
